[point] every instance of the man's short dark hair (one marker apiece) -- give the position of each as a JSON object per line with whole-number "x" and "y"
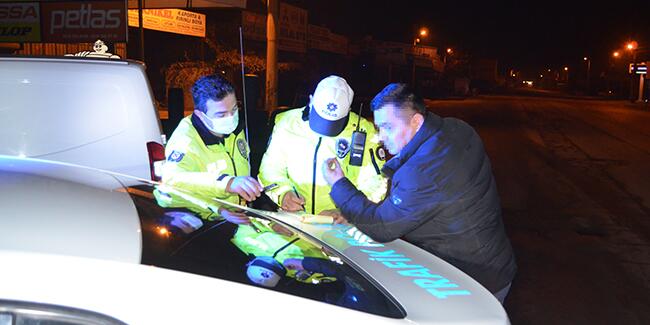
{"x": 213, "y": 87}
{"x": 401, "y": 96}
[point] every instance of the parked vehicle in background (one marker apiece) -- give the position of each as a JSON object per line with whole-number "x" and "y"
{"x": 91, "y": 112}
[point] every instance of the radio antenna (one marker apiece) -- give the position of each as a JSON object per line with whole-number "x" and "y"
{"x": 359, "y": 120}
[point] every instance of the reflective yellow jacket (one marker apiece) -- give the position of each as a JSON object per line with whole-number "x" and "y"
{"x": 259, "y": 239}
{"x": 201, "y": 164}
{"x": 295, "y": 156}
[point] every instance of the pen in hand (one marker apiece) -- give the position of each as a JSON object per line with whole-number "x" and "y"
{"x": 298, "y": 196}
{"x": 269, "y": 187}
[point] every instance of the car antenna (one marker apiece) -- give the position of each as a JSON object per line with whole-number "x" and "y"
{"x": 359, "y": 117}
{"x": 243, "y": 82}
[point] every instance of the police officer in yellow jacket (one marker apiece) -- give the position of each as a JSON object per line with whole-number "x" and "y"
{"x": 303, "y": 138}
{"x": 207, "y": 155}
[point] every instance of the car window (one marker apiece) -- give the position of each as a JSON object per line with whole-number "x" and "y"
{"x": 265, "y": 254}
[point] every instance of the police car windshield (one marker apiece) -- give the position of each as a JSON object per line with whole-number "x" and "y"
{"x": 266, "y": 253}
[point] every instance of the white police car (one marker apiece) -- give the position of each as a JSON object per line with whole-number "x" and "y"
{"x": 83, "y": 246}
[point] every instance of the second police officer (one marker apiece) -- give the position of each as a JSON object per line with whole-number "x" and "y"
{"x": 303, "y": 138}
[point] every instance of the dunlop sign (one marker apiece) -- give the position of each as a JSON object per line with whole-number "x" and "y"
{"x": 63, "y": 22}
{"x": 20, "y": 22}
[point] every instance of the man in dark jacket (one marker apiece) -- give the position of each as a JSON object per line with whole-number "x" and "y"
{"x": 443, "y": 197}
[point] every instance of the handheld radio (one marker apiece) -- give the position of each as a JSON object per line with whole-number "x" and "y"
{"x": 358, "y": 144}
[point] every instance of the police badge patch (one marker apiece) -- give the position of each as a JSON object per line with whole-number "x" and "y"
{"x": 175, "y": 156}
{"x": 241, "y": 145}
{"x": 381, "y": 153}
{"x": 342, "y": 148}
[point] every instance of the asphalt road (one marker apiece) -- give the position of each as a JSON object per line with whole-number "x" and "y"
{"x": 574, "y": 180}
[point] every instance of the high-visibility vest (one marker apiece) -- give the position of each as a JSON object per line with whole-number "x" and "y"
{"x": 295, "y": 156}
{"x": 201, "y": 170}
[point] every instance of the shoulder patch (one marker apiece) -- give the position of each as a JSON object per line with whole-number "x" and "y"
{"x": 342, "y": 147}
{"x": 241, "y": 145}
{"x": 175, "y": 156}
{"x": 381, "y": 153}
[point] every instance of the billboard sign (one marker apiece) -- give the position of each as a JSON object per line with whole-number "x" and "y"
{"x": 62, "y": 21}
{"x": 83, "y": 21}
{"x": 20, "y": 22}
{"x": 170, "y": 20}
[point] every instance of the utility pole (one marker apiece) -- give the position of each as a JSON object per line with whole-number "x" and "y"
{"x": 413, "y": 66}
{"x": 271, "y": 100}
{"x": 588, "y": 72}
{"x": 422, "y": 33}
{"x": 631, "y": 46}
{"x": 141, "y": 29}
{"x": 632, "y": 75}
{"x": 641, "y": 82}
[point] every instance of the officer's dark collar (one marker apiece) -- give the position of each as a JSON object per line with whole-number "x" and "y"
{"x": 430, "y": 126}
{"x": 207, "y": 136}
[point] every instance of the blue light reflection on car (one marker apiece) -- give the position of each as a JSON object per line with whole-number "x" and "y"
{"x": 435, "y": 284}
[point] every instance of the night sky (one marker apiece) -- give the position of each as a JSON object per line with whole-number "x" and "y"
{"x": 523, "y": 35}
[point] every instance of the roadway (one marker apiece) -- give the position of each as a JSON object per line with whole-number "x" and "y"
{"x": 574, "y": 179}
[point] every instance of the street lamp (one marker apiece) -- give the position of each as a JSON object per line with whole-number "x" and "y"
{"x": 447, "y": 54}
{"x": 632, "y": 46}
{"x": 566, "y": 73}
{"x": 422, "y": 33}
{"x": 586, "y": 59}
{"x": 615, "y": 64}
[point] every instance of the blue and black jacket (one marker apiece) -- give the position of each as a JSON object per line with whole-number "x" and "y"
{"x": 443, "y": 198}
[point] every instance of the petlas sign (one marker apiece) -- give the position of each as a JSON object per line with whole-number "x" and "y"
{"x": 83, "y": 21}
